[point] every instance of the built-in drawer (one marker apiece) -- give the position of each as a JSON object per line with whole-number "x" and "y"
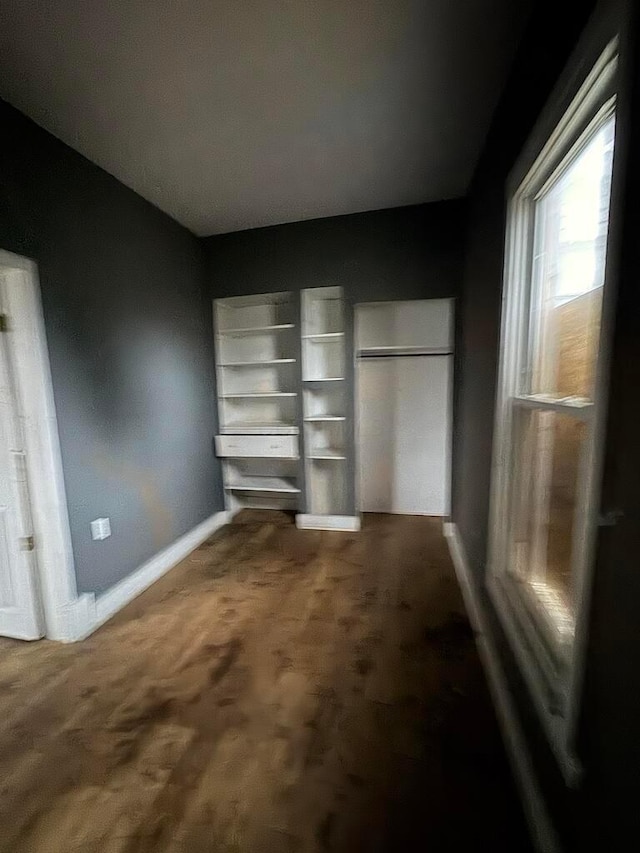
{"x": 283, "y": 446}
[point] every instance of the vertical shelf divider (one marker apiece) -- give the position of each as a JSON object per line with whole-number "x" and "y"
{"x": 326, "y": 413}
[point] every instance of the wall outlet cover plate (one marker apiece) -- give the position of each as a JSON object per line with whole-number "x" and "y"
{"x": 100, "y": 529}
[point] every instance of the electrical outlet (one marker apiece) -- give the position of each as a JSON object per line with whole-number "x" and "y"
{"x": 100, "y": 529}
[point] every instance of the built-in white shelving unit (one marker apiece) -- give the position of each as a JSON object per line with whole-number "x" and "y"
{"x": 325, "y": 410}
{"x": 257, "y": 379}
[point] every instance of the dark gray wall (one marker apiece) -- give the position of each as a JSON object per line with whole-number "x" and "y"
{"x": 602, "y": 813}
{"x": 129, "y": 332}
{"x": 402, "y": 253}
{"x": 610, "y": 729}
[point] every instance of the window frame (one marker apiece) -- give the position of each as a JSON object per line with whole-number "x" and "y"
{"x": 554, "y": 683}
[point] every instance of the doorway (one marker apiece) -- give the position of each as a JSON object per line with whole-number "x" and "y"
{"x": 20, "y": 610}
{"x": 38, "y": 593}
{"x": 404, "y": 375}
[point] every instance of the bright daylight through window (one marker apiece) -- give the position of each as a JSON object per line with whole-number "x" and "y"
{"x": 549, "y": 391}
{"x": 564, "y": 322}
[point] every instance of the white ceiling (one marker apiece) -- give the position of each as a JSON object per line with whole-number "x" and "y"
{"x": 232, "y": 114}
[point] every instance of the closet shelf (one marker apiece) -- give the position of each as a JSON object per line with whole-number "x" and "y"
{"x": 255, "y": 428}
{"x": 259, "y": 363}
{"x": 373, "y": 352}
{"x": 255, "y": 330}
{"x": 254, "y": 394}
{"x": 313, "y": 419}
{"x": 327, "y": 453}
{"x": 323, "y": 337}
{"x": 325, "y": 379}
{"x": 264, "y": 484}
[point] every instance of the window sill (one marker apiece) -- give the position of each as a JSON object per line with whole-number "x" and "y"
{"x": 545, "y": 689}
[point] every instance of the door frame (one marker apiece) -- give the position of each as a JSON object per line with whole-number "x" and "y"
{"x": 65, "y": 613}
{"x": 450, "y": 353}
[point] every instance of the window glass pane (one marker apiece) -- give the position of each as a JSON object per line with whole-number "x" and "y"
{"x": 547, "y": 454}
{"x": 571, "y": 220}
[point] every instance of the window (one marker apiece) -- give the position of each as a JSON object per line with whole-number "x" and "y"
{"x": 545, "y": 454}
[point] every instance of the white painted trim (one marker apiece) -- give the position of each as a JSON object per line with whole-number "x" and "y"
{"x": 63, "y": 607}
{"x": 355, "y": 409}
{"x": 520, "y": 638}
{"x": 304, "y": 521}
{"x": 450, "y": 402}
{"x": 543, "y": 834}
{"x": 555, "y": 684}
{"x": 110, "y": 602}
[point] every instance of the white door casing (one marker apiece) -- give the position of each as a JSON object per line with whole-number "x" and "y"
{"x": 67, "y": 615}
{"x": 20, "y": 611}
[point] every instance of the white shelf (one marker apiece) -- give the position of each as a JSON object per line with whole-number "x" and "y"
{"x": 255, "y": 330}
{"x": 266, "y": 428}
{"x": 259, "y": 363}
{"x": 264, "y": 484}
{"x": 318, "y": 419}
{"x": 327, "y": 453}
{"x": 254, "y": 394}
{"x": 324, "y": 337}
{"x": 402, "y": 350}
{"x": 326, "y": 379}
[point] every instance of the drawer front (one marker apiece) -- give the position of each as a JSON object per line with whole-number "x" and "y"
{"x": 257, "y": 445}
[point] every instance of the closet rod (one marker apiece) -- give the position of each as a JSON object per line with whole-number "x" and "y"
{"x": 403, "y": 354}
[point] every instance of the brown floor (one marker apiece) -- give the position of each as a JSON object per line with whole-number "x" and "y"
{"x": 279, "y": 690}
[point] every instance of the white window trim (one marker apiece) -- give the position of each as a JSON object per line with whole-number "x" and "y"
{"x": 555, "y": 694}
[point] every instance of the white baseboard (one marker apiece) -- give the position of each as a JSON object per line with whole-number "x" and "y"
{"x": 543, "y": 833}
{"x": 96, "y": 610}
{"x": 327, "y": 522}
{"x": 74, "y": 619}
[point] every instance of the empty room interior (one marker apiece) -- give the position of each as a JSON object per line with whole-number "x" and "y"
{"x": 319, "y": 468}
